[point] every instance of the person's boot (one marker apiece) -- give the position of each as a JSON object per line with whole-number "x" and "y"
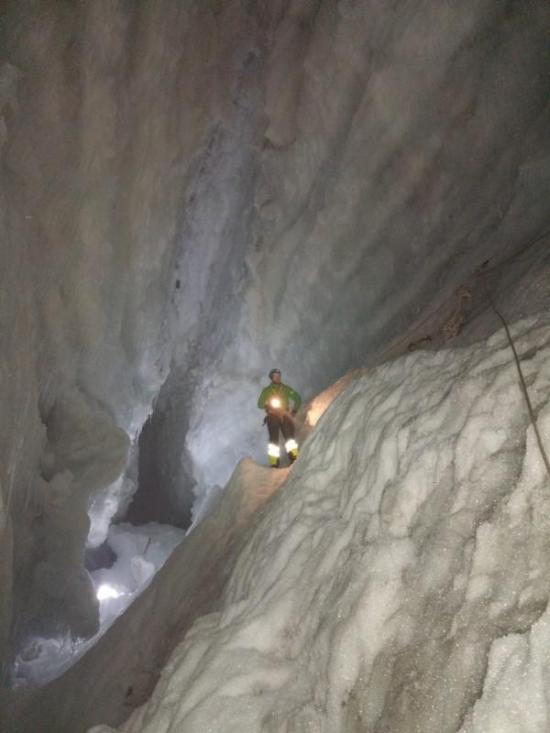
{"x": 292, "y": 451}
{"x": 292, "y": 456}
{"x": 273, "y": 454}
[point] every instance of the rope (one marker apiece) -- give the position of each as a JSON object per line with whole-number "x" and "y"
{"x": 523, "y": 385}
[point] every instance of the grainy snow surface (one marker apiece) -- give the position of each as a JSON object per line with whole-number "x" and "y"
{"x": 399, "y": 579}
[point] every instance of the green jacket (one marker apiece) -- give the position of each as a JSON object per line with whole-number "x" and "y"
{"x": 285, "y": 393}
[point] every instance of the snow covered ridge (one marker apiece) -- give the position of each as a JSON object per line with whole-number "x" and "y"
{"x": 399, "y": 581}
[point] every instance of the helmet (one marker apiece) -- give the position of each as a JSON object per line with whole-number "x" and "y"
{"x": 274, "y": 371}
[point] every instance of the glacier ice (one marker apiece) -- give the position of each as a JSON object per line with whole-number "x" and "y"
{"x": 398, "y": 580}
{"x": 140, "y": 553}
{"x": 210, "y": 188}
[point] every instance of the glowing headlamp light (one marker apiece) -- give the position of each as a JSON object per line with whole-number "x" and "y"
{"x": 275, "y": 402}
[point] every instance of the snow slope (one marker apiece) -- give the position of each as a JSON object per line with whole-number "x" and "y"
{"x": 398, "y": 582}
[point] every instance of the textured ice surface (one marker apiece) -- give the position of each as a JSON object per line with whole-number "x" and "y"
{"x": 399, "y": 579}
{"x": 377, "y": 160}
{"x": 191, "y": 193}
{"x": 515, "y": 690}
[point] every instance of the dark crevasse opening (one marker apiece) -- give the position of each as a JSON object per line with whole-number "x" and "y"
{"x": 159, "y": 472}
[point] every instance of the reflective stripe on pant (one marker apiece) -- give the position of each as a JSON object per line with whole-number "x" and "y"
{"x": 284, "y": 423}
{"x": 291, "y": 445}
{"x": 273, "y": 451}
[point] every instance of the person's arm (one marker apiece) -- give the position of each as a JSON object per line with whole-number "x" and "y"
{"x": 262, "y": 398}
{"x": 296, "y": 399}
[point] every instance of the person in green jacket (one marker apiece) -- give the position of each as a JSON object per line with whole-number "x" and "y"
{"x": 275, "y": 400}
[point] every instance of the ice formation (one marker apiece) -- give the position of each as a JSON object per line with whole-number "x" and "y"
{"x": 191, "y": 193}
{"x": 140, "y": 553}
{"x": 398, "y": 580}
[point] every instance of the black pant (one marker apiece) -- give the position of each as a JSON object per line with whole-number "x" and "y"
{"x": 276, "y": 422}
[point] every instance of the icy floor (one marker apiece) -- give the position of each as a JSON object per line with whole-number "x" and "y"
{"x": 140, "y": 552}
{"x": 399, "y": 581}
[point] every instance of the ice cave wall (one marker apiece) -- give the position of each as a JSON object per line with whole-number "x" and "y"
{"x": 192, "y": 192}
{"x": 403, "y": 148}
{"x": 110, "y": 113}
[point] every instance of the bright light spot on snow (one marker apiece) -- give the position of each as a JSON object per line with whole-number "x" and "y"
{"x": 320, "y": 404}
{"x": 107, "y": 591}
{"x": 318, "y": 407}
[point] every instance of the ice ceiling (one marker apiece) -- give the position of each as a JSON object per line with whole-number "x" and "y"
{"x": 194, "y": 192}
